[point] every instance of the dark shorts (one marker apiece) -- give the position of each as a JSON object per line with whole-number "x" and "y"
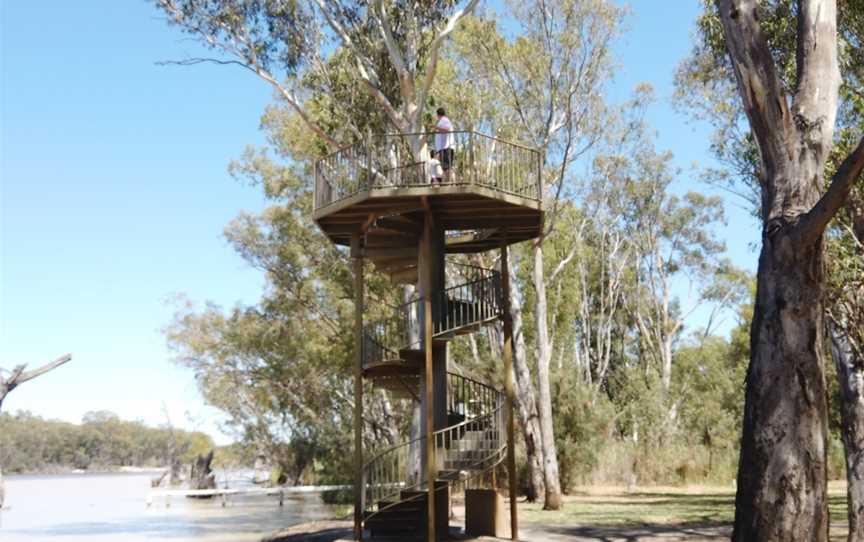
{"x": 445, "y": 156}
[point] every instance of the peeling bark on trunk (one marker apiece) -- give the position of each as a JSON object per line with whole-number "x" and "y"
{"x": 850, "y": 376}
{"x": 782, "y": 475}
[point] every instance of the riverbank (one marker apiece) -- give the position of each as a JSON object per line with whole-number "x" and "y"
{"x": 62, "y": 470}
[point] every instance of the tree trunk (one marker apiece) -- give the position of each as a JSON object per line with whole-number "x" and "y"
{"x": 782, "y": 477}
{"x": 201, "y": 476}
{"x": 525, "y": 402}
{"x": 850, "y": 376}
{"x": 414, "y": 449}
{"x": 544, "y": 354}
{"x": 782, "y": 474}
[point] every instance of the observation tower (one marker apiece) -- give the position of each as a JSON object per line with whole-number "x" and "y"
{"x": 378, "y": 198}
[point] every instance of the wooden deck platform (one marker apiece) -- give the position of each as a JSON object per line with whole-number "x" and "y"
{"x": 483, "y": 217}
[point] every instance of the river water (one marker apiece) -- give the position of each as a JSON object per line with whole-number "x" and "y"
{"x": 112, "y": 507}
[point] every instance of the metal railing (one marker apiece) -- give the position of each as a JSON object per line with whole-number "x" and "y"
{"x": 383, "y": 339}
{"x": 475, "y": 301}
{"x": 471, "y": 446}
{"x": 403, "y": 160}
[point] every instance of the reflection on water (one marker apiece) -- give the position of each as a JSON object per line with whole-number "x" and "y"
{"x": 87, "y": 507}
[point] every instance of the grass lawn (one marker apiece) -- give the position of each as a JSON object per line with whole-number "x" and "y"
{"x": 661, "y": 506}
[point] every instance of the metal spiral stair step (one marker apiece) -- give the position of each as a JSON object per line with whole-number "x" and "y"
{"x": 470, "y": 445}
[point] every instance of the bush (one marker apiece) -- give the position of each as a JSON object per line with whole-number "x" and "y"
{"x": 337, "y": 496}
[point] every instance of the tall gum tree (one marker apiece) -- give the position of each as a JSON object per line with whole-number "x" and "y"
{"x": 281, "y": 42}
{"x": 846, "y": 331}
{"x": 706, "y": 89}
{"x": 550, "y": 78}
{"x": 782, "y": 476}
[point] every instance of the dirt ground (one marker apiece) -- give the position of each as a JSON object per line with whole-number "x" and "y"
{"x": 608, "y": 514}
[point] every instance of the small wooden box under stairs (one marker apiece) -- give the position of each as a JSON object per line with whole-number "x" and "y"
{"x": 405, "y": 519}
{"x": 484, "y": 513}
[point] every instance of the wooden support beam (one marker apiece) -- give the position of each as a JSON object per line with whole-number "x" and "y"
{"x": 395, "y": 266}
{"x": 387, "y": 253}
{"x": 508, "y": 388}
{"x": 426, "y": 291}
{"x": 399, "y": 225}
{"x": 359, "y": 482}
{"x": 407, "y": 276}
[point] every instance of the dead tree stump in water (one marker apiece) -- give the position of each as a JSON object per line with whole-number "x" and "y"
{"x": 201, "y": 476}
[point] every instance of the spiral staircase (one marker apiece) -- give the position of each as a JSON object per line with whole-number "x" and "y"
{"x": 473, "y": 442}
{"x": 375, "y": 196}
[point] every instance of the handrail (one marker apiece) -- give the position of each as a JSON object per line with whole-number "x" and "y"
{"x": 450, "y": 375}
{"x": 400, "y": 160}
{"x": 477, "y": 300}
{"x": 386, "y": 475}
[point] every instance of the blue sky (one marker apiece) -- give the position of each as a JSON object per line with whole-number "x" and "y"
{"x": 114, "y": 193}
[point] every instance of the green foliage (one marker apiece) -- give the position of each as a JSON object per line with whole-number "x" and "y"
{"x": 584, "y": 426}
{"x": 278, "y": 368}
{"x": 101, "y": 441}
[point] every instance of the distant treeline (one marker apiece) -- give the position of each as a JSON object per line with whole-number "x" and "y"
{"x": 29, "y": 443}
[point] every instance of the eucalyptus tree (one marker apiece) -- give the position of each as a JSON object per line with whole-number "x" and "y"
{"x": 784, "y": 60}
{"x": 340, "y": 71}
{"x": 277, "y": 367}
{"x": 845, "y": 317}
{"x": 549, "y": 79}
{"x": 391, "y": 51}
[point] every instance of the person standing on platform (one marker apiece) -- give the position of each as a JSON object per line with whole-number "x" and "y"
{"x": 444, "y": 143}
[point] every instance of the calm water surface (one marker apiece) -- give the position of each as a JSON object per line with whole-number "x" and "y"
{"x": 94, "y": 507}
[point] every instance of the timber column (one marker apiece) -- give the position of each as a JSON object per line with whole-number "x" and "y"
{"x": 507, "y": 352}
{"x": 431, "y": 281}
{"x": 359, "y": 485}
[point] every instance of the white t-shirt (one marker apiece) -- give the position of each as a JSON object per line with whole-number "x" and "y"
{"x": 434, "y": 169}
{"x": 444, "y": 140}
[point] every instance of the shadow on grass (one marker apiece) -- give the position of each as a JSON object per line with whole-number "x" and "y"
{"x": 627, "y": 533}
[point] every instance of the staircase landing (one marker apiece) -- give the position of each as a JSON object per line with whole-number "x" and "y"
{"x": 476, "y": 218}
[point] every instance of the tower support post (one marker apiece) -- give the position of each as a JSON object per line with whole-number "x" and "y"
{"x": 431, "y": 282}
{"x": 359, "y": 482}
{"x": 508, "y": 387}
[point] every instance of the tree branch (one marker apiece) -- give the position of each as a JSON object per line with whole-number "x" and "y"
{"x": 434, "y": 47}
{"x": 818, "y": 70}
{"x": 239, "y": 45}
{"x": 758, "y": 84}
{"x": 367, "y": 73}
{"x": 396, "y": 57}
{"x": 813, "y": 224}
{"x": 30, "y": 375}
{"x": 18, "y": 375}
